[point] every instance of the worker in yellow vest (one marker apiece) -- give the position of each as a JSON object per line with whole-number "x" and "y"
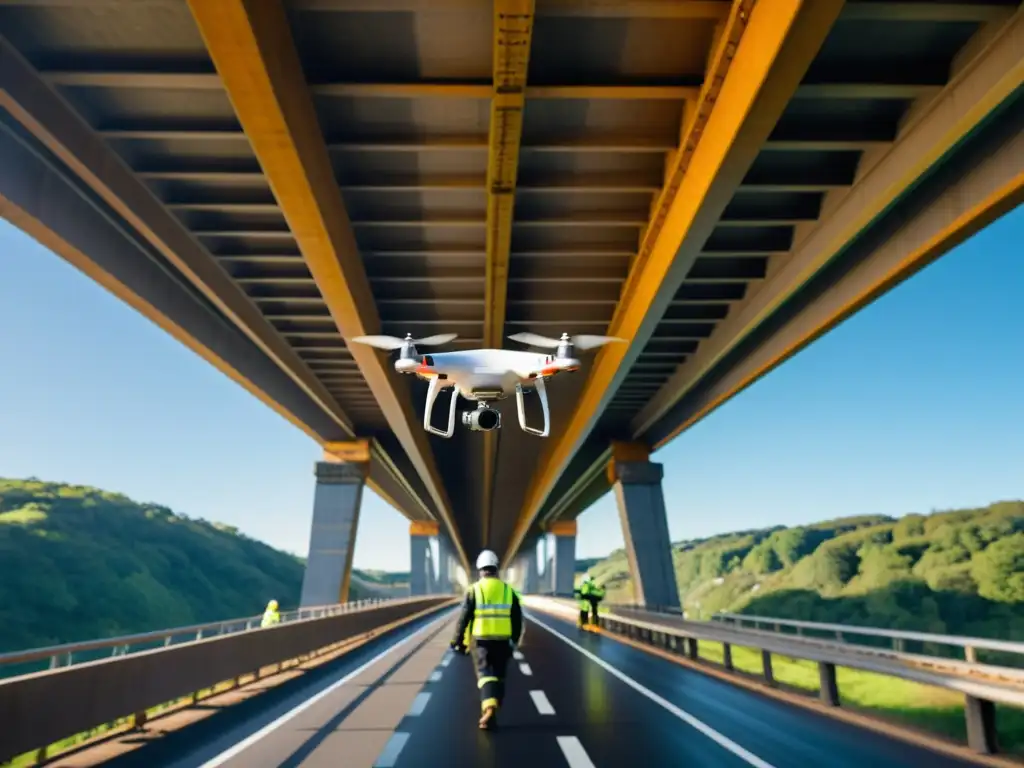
{"x": 492, "y": 614}
{"x": 272, "y": 615}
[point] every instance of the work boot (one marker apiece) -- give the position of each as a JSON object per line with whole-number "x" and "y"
{"x": 489, "y": 718}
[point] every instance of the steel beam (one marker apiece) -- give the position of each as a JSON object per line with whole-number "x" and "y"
{"x": 252, "y": 48}
{"x": 754, "y": 77}
{"x": 964, "y": 104}
{"x": 991, "y": 188}
{"x": 52, "y": 121}
{"x": 512, "y": 39}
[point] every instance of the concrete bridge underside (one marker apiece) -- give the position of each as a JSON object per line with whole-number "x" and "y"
{"x": 719, "y": 183}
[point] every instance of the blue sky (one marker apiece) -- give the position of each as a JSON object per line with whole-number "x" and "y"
{"x": 914, "y": 404}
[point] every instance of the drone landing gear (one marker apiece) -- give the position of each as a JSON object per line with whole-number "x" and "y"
{"x": 432, "y": 392}
{"x": 521, "y": 405}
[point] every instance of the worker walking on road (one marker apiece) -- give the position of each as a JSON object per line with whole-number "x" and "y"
{"x": 590, "y": 596}
{"x": 271, "y": 616}
{"x": 494, "y": 617}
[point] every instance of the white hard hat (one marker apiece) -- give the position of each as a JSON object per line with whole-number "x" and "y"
{"x": 587, "y": 577}
{"x": 487, "y": 559}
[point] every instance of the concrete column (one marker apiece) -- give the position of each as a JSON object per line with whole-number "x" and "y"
{"x": 421, "y": 573}
{"x": 340, "y": 479}
{"x": 445, "y": 567}
{"x": 563, "y": 563}
{"x": 528, "y": 567}
{"x": 641, "y": 502}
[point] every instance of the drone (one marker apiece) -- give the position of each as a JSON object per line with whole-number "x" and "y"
{"x": 485, "y": 376}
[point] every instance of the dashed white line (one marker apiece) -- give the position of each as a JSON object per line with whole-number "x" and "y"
{"x": 575, "y": 755}
{"x": 686, "y": 717}
{"x": 525, "y": 669}
{"x": 540, "y": 701}
{"x": 446, "y": 660}
{"x": 517, "y": 655}
{"x": 435, "y": 676}
{"x": 247, "y": 742}
{"x": 419, "y": 704}
{"x": 392, "y": 750}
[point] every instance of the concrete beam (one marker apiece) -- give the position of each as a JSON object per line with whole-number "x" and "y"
{"x": 756, "y": 73}
{"x": 254, "y": 53}
{"x": 965, "y": 104}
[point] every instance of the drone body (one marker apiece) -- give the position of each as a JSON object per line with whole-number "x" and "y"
{"x": 486, "y": 375}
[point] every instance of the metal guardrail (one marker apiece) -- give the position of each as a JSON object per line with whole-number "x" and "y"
{"x": 64, "y": 655}
{"x": 981, "y": 685}
{"x": 44, "y": 707}
{"x": 970, "y": 645}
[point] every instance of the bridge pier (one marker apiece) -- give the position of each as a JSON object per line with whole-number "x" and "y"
{"x": 641, "y": 503}
{"x": 340, "y": 479}
{"x": 421, "y": 571}
{"x": 562, "y": 565}
{"x": 445, "y": 582}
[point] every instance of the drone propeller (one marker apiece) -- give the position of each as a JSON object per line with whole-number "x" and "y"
{"x": 582, "y": 341}
{"x": 393, "y": 342}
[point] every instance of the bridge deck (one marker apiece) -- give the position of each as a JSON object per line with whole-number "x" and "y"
{"x": 417, "y": 706}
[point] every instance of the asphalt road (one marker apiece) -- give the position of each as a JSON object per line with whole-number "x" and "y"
{"x": 417, "y": 707}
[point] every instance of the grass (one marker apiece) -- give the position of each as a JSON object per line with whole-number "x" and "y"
{"x": 24, "y": 516}
{"x": 926, "y": 707}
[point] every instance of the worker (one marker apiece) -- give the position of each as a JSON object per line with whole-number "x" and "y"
{"x": 271, "y": 616}
{"x": 494, "y": 618}
{"x": 590, "y": 595}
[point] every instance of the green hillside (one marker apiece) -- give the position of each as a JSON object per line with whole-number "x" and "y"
{"x": 959, "y": 571}
{"x": 78, "y": 563}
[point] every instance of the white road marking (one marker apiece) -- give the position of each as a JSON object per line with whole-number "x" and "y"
{"x": 517, "y": 655}
{"x": 419, "y": 704}
{"x": 575, "y": 755}
{"x": 435, "y": 676}
{"x": 247, "y": 742}
{"x": 446, "y": 660}
{"x": 686, "y": 717}
{"x": 392, "y": 750}
{"x": 540, "y": 700}
{"x": 525, "y": 669}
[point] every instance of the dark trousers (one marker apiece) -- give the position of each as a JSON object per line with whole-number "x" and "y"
{"x": 492, "y": 658}
{"x": 592, "y": 601}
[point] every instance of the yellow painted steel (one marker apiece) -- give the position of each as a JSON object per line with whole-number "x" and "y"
{"x": 254, "y": 53}
{"x": 349, "y": 452}
{"x": 563, "y": 528}
{"x": 754, "y": 37}
{"x": 423, "y": 528}
{"x": 513, "y": 34}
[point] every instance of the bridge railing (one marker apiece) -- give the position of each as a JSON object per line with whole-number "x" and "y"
{"x": 68, "y": 654}
{"x": 982, "y": 685}
{"x": 137, "y": 674}
{"x": 968, "y": 647}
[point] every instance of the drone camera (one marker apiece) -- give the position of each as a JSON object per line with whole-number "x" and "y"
{"x": 483, "y": 419}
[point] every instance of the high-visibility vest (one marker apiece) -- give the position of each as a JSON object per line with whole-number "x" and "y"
{"x": 492, "y": 615}
{"x": 270, "y": 618}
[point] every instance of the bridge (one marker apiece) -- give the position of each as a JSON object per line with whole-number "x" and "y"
{"x": 717, "y": 183}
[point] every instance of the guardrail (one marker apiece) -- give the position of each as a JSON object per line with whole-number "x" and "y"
{"x": 40, "y": 708}
{"x": 67, "y": 654}
{"x": 982, "y": 685}
{"x": 897, "y": 637}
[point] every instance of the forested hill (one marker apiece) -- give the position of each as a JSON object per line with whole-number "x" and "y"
{"x": 78, "y": 563}
{"x": 959, "y": 571}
